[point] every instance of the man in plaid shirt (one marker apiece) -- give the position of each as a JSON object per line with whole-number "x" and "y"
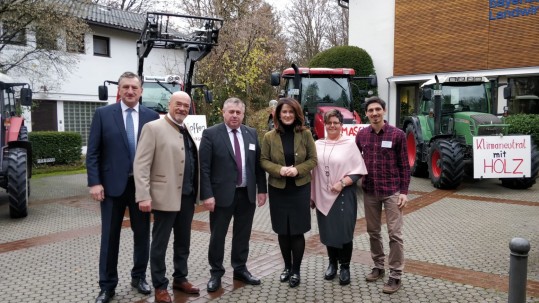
{"x": 384, "y": 150}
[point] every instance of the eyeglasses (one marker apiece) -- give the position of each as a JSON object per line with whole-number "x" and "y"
{"x": 333, "y": 123}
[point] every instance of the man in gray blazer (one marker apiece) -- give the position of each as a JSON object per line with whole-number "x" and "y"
{"x": 230, "y": 174}
{"x": 166, "y": 178}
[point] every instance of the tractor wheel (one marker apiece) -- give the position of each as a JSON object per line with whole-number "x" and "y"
{"x": 17, "y": 183}
{"x": 418, "y": 168}
{"x": 523, "y": 183}
{"x": 23, "y": 134}
{"x": 446, "y": 164}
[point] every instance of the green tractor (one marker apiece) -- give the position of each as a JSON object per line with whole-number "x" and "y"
{"x": 440, "y": 135}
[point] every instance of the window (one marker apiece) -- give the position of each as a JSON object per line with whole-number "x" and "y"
{"x": 12, "y": 35}
{"x": 46, "y": 39}
{"x": 525, "y": 95}
{"x": 101, "y": 46}
{"x": 407, "y": 96}
{"x": 75, "y": 44}
{"x": 78, "y": 117}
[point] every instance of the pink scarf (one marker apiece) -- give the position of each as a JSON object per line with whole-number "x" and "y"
{"x": 343, "y": 158}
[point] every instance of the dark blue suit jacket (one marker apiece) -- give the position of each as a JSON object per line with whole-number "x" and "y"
{"x": 107, "y": 157}
{"x": 218, "y": 169}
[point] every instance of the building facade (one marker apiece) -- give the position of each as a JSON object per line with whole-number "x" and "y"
{"x": 109, "y": 49}
{"x": 411, "y": 41}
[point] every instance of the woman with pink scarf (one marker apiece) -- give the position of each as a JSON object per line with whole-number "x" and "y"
{"x": 333, "y": 193}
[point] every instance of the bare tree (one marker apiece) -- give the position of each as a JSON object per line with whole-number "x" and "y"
{"x": 136, "y": 6}
{"x": 39, "y": 39}
{"x": 313, "y": 26}
{"x": 338, "y": 29}
{"x": 250, "y": 47}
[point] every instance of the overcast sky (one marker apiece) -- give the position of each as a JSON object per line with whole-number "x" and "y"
{"x": 279, "y": 4}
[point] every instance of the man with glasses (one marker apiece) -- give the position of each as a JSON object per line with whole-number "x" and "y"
{"x": 166, "y": 177}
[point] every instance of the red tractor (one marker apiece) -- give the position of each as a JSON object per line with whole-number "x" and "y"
{"x": 15, "y": 163}
{"x": 319, "y": 90}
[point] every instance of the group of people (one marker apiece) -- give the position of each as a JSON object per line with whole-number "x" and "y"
{"x": 149, "y": 165}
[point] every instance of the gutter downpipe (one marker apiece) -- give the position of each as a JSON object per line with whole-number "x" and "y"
{"x": 388, "y": 97}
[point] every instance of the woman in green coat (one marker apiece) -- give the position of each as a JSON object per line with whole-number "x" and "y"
{"x": 288, "y": 156}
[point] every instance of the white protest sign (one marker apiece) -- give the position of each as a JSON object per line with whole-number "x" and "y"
{"x": 502, "y": 157}
{"x": 351, "y": 130}
{"x": 196, "y": 125}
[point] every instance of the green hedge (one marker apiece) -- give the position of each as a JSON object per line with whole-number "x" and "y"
{"x": 63, "y": 147}
{"x": 524, "y": 124}
{"x": 345, "y": 56}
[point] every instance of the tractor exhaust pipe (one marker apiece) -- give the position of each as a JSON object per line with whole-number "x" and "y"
{"x": 437, "y": 106}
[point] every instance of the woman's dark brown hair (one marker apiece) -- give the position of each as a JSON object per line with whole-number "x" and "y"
{"x": 299, "y": 119}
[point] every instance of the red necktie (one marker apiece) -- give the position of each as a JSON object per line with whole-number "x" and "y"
{"x": 237, "y": 154}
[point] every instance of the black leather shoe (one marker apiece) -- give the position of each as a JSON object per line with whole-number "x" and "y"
{"x": 344, "y": 275}
{"x": 246, "y": 277}
{"x": 105, "y": 296}
{"x": 214, "y": 284}
{"x": 331, "y": 272}
{"x": 285, "y": 275}
{"x": 141, "y": 285}
{"x": 294, "y": 280}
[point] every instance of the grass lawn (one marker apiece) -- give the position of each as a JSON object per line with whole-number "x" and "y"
{"x": 57, "y": 170}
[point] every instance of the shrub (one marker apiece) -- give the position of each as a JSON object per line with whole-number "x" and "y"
{"x": 524, "y": 124}
{"x": 345, "y": 56}
{"x": 63, "y": 147}
{"x": 259, "y": 120}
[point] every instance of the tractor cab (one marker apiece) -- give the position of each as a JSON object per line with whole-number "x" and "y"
{"x": 319, "y": 90}
{"x": 463, "y": 109}
{"x": 157, "y": 91}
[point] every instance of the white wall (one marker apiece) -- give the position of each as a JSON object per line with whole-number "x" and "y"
{"x": 372, "y": 28}
{"x": 82, "y": 81}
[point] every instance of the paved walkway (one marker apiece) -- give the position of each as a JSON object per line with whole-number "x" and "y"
{"x": 456, "y": 250}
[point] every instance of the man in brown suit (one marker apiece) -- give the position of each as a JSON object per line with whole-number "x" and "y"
{"x": 166, "y": 179}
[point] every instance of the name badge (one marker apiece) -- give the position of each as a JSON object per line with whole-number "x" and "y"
{"x": 386, "y": 144}
{"x": 251, "y": 146}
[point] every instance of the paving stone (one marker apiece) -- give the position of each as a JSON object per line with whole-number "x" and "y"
{"x": 454, "y": 231}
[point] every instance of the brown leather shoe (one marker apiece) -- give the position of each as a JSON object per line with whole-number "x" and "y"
{"x": 185, "y": 286}
{"x": 162, "y": 296}
{"x": 391, "y": 286}
{"x": 375, "y": 274}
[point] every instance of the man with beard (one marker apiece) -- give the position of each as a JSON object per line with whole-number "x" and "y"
{"x": 166, "y": 178}
{"x": 383, "y": 147}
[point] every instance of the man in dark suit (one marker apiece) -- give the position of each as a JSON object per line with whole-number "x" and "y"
{"x": 230, "y": 174}
{"x": 166, "y": 177}
{"x": 109, "y": 163}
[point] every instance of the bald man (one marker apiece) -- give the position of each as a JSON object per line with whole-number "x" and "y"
{"x": 166, "y": 174}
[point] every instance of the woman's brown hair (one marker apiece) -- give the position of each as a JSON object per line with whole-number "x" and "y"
{"x": 299, "y": 119}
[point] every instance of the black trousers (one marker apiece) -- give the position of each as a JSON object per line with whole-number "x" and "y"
{"x": 112, "y": 216}
{"x": 164, "y": 223}
{"x": 243, "y": 212}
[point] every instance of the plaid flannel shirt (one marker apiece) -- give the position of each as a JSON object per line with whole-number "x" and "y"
{"x": 386, "y": 158}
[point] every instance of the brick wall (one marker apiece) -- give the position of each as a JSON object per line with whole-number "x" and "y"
{"x": 436, "y": 36}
